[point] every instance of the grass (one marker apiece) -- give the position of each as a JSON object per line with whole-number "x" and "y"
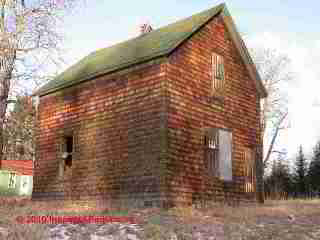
{"x": 291, "y": 219}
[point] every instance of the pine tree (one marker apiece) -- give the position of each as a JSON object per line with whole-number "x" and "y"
{"x": 279, "y": 182}
{"x": 300, "y": 174}
{"x": 285, "y": 177}
{"x": 314, "y": 170}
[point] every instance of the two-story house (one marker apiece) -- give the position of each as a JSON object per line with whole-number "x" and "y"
{"x": 171, "y": 116}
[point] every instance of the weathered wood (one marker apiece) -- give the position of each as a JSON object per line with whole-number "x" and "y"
{"x": 140, "y": 134}
{"x": 192, "y": 110}
{"x": 117, "y": 129}
{"x": 225, "y": 155}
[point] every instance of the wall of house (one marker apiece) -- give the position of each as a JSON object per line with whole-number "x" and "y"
{"x": 116, "y": 124}
{"x": 191, "y": 110}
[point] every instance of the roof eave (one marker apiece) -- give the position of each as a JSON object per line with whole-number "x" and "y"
{"x": 244, "y": 53}
{"x": 153, "y": 60}
{"x": 219, "y": 8}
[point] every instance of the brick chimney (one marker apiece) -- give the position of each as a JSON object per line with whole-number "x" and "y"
{"x": 145, "y": 28}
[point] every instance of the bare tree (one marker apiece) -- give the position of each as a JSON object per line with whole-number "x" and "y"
{"x": 275, "y": 74}
{"x": 19, "y": 130}
{"x": 28, "y": 32}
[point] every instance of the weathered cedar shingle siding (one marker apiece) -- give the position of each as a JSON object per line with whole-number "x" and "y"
{"x": 117, "y": 125}
{"x": 139, "y": 133}
{"x": 191, "y": 111}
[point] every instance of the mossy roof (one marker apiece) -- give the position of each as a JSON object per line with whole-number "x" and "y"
{"x": 145, "y": 47}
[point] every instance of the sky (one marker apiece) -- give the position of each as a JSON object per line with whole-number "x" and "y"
{"x": 289, "y": 27}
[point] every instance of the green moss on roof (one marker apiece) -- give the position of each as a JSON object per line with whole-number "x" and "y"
{"x": 157, "y": 43}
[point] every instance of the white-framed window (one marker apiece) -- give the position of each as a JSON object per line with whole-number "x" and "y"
{"x": 218, "y": 74}
{"x": 12, "y": 180}
{"x": 218, "y": 145}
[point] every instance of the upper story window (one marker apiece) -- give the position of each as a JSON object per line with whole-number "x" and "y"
{"x": 218, "y": 74}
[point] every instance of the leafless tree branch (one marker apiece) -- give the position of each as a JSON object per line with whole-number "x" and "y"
{"x": 28, "y": 33}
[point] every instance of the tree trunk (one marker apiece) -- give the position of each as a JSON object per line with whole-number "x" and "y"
{"x": 7, "y": 65}
{"x": 4, "y": 93}
{"x": 274, "y": 138}
{"x": 259, "y": 175}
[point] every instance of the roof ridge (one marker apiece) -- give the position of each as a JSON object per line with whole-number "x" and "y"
{"x": 221, "y": 5}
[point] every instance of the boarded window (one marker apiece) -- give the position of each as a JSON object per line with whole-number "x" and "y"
{"x": 218, "y": 74}
{"x": 225, "y": 155}
{"x": 249, "y": 166}
{"x": 12, "y": 180}
{"x": 218, "y": 145}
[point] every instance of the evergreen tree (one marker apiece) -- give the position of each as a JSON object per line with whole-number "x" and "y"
{"x": 286, "y": 178}
{"x": 300, "y": 174}
{"x": 314, "y": 170}
{"x": 279, "y": 182}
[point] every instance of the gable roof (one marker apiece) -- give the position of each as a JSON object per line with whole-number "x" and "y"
{"x": 157, "y": 43}
{"x": 24, "y": 167}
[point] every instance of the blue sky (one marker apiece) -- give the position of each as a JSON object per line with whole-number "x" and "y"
{"x": 291, "y": 27}
{"x": 111, "y": 21}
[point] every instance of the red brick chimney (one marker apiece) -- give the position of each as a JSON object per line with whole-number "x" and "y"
{"x": 145, "y": 28}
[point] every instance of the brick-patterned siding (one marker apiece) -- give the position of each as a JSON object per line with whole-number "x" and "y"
{"x": 116, "y": 122}
{"x": 191, "y": 109}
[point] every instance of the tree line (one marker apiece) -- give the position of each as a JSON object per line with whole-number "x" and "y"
{"x": 298, "y": 180}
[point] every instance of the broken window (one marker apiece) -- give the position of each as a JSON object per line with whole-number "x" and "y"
{"x": 12, "y": 180}
{"x": 249, "y": 165}
{"x": 218, "y": 74}
{"x": 218, "y": 144}
{"x": 67, "y": 152}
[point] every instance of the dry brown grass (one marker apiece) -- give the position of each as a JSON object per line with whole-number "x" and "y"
{"x": 292, "y": 219}
{"x": 10, "y": 209}
{"x": 282, "y": 220}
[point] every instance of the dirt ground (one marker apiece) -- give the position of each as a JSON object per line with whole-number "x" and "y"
{"x": 292, "y": 219}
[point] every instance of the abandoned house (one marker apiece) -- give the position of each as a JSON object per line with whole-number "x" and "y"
{"x": 171, "y": 116}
